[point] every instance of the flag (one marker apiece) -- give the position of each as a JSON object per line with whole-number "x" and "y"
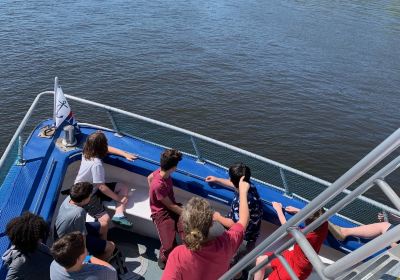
{"x": 62, "y": 110}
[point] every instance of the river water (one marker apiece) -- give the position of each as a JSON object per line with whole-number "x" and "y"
{"x": 311, "y": 84}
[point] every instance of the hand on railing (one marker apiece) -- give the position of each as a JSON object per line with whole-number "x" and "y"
{"x": 277, "y": 206}
{"x": 211, "y": 179}
{"x": 130, "y": 157}
{"x": 292, "y": 209}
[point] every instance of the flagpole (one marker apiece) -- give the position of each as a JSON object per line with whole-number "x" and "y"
{"x": 55, "y": 99}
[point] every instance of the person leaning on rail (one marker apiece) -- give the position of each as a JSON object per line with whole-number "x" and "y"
{"x": 296, "y": 258}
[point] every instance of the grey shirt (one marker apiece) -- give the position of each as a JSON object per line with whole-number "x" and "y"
{"x": 33, "y": 266}
{"x": 88, "y": 272}
{"x": 70, "y": 218}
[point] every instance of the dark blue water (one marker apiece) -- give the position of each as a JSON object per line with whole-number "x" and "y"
{"x": 312, "y": 84}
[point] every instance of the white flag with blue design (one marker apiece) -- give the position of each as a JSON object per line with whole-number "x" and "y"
{"x": 62, "y": 110}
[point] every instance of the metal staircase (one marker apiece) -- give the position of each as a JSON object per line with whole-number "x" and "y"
{"x": 351, "y": 265}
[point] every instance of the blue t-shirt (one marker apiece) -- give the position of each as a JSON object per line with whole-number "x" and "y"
{"x": 89, "y": 271}
{"x": 255, "y": 209}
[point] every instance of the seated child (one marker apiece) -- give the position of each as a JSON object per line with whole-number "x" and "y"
{"x": 72, "y": 217}
{"x": 295, "y": 258}
{"x": 28, "y": 257}
{"x": 71, "y": 261}
{"x": 92, "y": 170}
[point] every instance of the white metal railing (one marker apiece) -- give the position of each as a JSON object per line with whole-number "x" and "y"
{"x": 193, "y": 137}
{"x": 290, "y": 228}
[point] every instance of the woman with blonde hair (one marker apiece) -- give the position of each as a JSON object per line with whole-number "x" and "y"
{"x": 201, "y": 257}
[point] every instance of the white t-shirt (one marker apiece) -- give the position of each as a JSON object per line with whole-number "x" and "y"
{"x": 91, "y": 171}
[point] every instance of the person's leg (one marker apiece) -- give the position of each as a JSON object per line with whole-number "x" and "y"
{"x": 104, "y": 220}
{"x": 119, "y": 216}
{"x": 96, "y": 209}
{"x": 259, "y": 275}
{"x": 100, "y": 248}
{"x": 121, "y": 189}
{"x": 365, "y": 231}
{"x": 166, "y": 226}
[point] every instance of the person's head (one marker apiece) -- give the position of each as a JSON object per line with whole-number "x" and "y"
{"x": 26, "y": 231}
{"x": 237, "y": 171}
{"x": 80, "y": 192}
{"x": 197, "y": 218}
{"x": 69, "y": 249}
{"x": 96, "y": 146}
{"x": 314, "y": 216}
{"x": 169, "y": 159}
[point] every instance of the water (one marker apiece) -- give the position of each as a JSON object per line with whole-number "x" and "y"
{"x": 311, "y": 84}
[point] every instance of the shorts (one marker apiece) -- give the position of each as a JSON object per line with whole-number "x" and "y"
{"x": 95, "y": 207}
{"x": 94, "y": 244}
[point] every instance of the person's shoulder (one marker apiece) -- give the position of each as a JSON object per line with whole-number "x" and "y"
{"x": 100, "y": 270}
{"x": 157, "y": 181}
{"x": 96, "y": 161}
{"x": 235, "y": 230}
{"x": 19, "y": 260}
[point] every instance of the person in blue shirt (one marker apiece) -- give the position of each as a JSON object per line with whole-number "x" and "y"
{"x": 236, "y": 171}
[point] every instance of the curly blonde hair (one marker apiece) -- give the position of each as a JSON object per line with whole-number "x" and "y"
{"x": 197, "y": 218}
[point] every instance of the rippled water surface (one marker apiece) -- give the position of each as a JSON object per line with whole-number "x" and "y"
{"x": 312, "y": 84}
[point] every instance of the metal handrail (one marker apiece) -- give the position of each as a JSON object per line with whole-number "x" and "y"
{"x": 357, "y": 171}
{"x": 230, "y": 147}
{"x": 193, "y": 135}
{"x": 22, "y": 126}
{"x": 382, "y": 173}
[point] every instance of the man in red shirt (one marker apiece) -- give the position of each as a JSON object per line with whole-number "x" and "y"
{"x": 295, "y": 258}
{"x": 200, "y": 257}
{"x": 165, "y": 211}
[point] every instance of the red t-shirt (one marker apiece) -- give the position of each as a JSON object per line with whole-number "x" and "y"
{"x": 210, "y": 262}
{"x": 160, "y": 188}
{"x": 297, "y": 259}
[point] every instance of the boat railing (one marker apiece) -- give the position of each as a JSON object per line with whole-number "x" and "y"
{"x": 291, "y": 228}
{"x": 289, "y": 181}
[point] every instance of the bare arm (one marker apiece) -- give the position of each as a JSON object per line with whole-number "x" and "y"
{"x": 171, "y": 206}
{"x": 226, "y": 222}
{"x": 150, "y": 178}
{"x": 121, "y": 153}
{"x": 244, "y": 214}
{"x": 95, "y": 260}
{"x": 221, "y": 181}
{"x": 279, "y": 211}
{"x": 106, "y": 190}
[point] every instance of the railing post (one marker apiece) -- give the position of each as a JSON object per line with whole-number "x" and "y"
{"x": 20, "y": 156}
{"x": 285, "y": 184}
{"x": 389, "y": 192}
{"x": 196, "y": 149}
{"x": 114, "y": 124}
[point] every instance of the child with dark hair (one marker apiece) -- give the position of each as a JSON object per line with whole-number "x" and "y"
{"x": 28, "y": 257}
{"x": 202, "y": 257}
{"x": 295, "y": 258}
{"x": 71, "y": 261}
{"x": 72, "y": 217}
{"x": 237, "y": 171}
{"x": 91, "y": 170}
{"x": 165, "y": 211}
